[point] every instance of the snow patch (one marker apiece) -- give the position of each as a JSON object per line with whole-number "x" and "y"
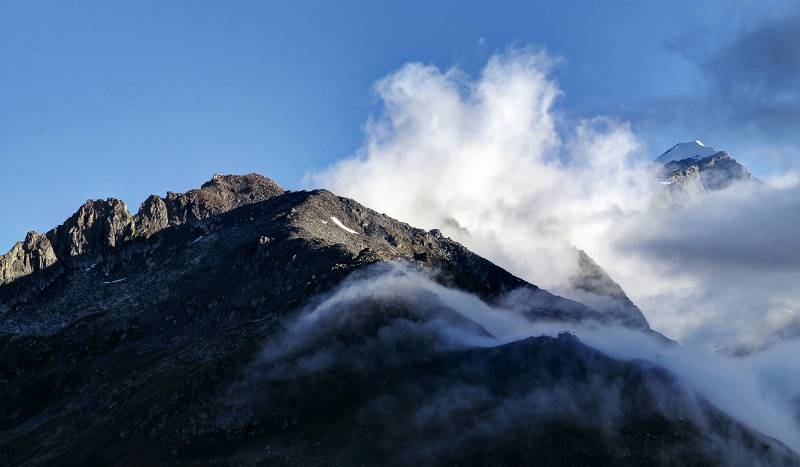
{"x": 339, "y": 223}
{"x": 691, "y": 150}
{"x": 115, "y": 282}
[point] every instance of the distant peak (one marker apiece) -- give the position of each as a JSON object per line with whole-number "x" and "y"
{"x": 689, "y": 150}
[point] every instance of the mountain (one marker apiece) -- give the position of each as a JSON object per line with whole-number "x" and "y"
{"x": 243, "y": 324}
{"x": 691, "y": 168}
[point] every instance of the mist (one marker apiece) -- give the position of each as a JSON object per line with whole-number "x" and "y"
{"x": 760, "y": 390}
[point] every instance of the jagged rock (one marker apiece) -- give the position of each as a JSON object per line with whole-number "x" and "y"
{"x": 221, "y": 194}
{"x": 89, "y": 236}
{"x": 26, "y": 257}
{"x": 683, "y": 184}
{"x": 152, "y": 216}
{"x": 714, "y": 172}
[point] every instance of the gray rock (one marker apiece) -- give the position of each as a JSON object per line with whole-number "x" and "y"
{"x": 688, "y": 177}
{"x": 91, "y": 234}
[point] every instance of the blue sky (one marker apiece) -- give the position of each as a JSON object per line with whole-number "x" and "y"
{"x": 124, "y": 99}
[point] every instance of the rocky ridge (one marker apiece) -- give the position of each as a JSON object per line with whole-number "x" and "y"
{"x": 102, "y": 237}
{"x": 92, "y": 233}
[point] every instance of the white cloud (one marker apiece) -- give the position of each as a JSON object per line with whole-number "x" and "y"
{"x": 736, "y": 252}
{"x": 490, "y": 161}
{"x": 483, "y": 160}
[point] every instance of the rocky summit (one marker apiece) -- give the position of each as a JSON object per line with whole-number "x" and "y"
{"x": 243, "y": 324}
{"x": 692, "y": 168}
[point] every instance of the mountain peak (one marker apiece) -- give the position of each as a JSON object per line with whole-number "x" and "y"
{"x": 242, "y": 183}
{"x": 688, "y": 150}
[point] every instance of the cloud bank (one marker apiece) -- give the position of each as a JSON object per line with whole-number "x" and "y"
{"x": 491, "y": 161}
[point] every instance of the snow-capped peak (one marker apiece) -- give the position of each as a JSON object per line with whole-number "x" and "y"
{"x": 691, "y": 150}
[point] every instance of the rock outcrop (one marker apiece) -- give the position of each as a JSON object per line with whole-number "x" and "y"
{"x": 710, "y": 173}
{"x": 89, "y": 236}
{"x": 33, "y": 254}
{"x": 692, "y": 168}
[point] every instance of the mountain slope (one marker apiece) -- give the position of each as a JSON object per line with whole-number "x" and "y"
{"x": 251, "y": 331}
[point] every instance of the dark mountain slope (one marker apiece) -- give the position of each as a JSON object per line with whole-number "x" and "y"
{"x": 161, "y": 347}
{"x": 291, "y": 243}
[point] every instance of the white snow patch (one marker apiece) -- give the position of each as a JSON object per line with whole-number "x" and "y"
{"x": 691, "y": 150}
{"x": 339, "y": 223}
{"x": 116, "y": 281}
{"x": 324, "y": 222}
{"x": 197, "y": 239}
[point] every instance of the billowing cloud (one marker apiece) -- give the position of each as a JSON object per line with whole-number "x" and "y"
{"x": 490, "y": 161}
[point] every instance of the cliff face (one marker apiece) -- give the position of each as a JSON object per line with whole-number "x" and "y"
{"x": 691, "y": 176}
{"x": 35, "y": 253}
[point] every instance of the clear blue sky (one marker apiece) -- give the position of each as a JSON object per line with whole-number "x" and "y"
{"x": 124, "y": 99}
